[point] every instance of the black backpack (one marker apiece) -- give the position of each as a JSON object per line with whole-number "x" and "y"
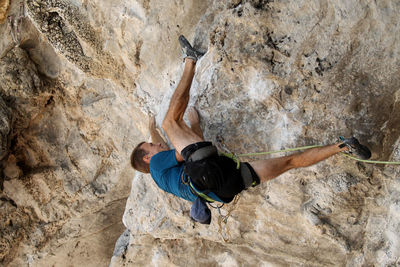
{"x": 205, "y": 174}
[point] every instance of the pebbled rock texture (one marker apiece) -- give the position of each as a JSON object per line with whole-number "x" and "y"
{"x": 4, "y": 5}
{"x": 67, "y": 126}
{"x": 79, "y": 78}
{"x": 282, "y": 74}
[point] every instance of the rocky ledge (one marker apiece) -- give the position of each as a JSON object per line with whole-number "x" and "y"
{"x": 79, "y": 79}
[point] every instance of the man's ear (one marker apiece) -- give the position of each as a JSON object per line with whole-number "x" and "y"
{"x": 146, "y": 158}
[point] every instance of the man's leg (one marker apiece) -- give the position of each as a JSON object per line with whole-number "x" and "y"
{"x": 271, "y": 168}
{"x": 179, "y": 133}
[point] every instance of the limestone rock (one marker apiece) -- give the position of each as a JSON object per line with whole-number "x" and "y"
{"x": 65, "y": 141}
{"x": 276, "y": 75}
{"x": 78, "y": 79}
{"x": 4, "y": 4}
{"x": 4, "y": 128}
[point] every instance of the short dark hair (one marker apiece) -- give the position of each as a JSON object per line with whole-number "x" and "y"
{"x": 137, "y": 161}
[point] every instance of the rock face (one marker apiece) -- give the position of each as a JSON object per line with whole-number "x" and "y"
{"x": 78, "y": 79}
{"x": 4, "y": 4}
{"x": 281, "y": 74}
{"x": 68, "y": 120}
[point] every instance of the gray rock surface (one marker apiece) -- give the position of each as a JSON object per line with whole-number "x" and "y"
{"x": 66, "y": 134}
{"x": 4, "y": 128}
{"x": 4, "y": 5}
{"x": 79, "y": 77}
{"x": 281, "y": 74}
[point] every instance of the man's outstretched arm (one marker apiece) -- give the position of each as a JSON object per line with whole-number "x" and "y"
{"x": 157, "y": 138}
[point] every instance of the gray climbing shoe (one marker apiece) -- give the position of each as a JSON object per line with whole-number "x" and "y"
{"x": 187, "y": 50}
{"x": 355, "y": 147}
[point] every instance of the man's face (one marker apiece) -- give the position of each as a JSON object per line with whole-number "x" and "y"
{"x": 152, "y": 149}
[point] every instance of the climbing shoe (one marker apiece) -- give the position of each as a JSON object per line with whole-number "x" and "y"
{"x": 355, "y": 147}
{"x": 187, "y": 50}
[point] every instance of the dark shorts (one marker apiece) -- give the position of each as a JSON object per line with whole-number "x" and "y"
{"x": 230, "y": 181}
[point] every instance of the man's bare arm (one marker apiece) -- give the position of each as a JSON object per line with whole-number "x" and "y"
{"x": 178, "y": 156}
{"x": 156, "y": 138}
{"x": 155, "y": 135}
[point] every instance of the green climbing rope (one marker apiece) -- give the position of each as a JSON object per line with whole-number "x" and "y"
{"x": 371, "y": 161}
{"x": 304, "y": 148}
{"x": 278, "y": 151}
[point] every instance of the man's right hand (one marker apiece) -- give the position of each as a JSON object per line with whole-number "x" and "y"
{"x": 152, "y": 123}
{"x": 155, "y": 134}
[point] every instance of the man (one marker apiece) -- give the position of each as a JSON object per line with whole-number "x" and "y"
{"x": 195, "y": 170}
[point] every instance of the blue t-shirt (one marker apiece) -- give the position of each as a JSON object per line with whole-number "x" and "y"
{"x": 167, "y": 173}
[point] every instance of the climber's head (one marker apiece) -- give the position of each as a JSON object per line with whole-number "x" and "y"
{"x": 141, "y": 155}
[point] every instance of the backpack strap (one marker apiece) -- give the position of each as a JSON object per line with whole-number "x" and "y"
{"x": 200, "y": 194}
{"x": 207, "y": 195}
{"x": 197, "y": 193}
